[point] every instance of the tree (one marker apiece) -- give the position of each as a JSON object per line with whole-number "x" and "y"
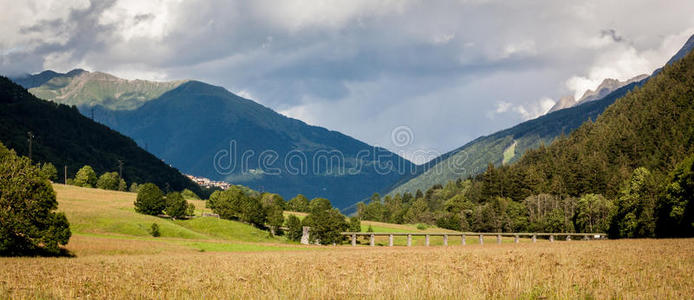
{"x": 325, "y": 221}
{"x": 134, "y": 187}
{"x": 354, "y": 224}
{"x": 28, "y": 221}
{"x": 49, "y": 171}
{"x": 326, "y": 225}
{"x": 190, "y": 211}
{"x": 418, "y": 212}
{"x": 150, "y": 200}
{"x": 675, "y": 210}
{"x": 188, "y": 194}
{"x": 634, "y": 208}
{"x": 273, "y": 204}
{"x": 593, "y": 213}
{"x": 122, "y": 186}
{"x": 86, "y": 177}
{"x": 176, "y": 205}
{"x": 298, "y": 203}
{"x": 108, "y": 181}
{"x": 295, "y": 230}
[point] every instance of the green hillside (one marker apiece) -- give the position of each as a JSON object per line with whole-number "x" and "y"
{"x": 472, "y": 158}
{"x": 82, "y": 88}
{"x": 64, "y": 137}
{"x": 102, "y": 214}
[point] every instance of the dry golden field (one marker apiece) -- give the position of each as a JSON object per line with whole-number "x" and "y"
{"x": 645, "y": 269}
{"x": 115, "y": 258}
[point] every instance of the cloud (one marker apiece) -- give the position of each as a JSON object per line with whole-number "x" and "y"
{"x": 449, "y": 70}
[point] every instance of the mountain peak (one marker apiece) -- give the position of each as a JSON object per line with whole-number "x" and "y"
{"x": 564, "y": 102}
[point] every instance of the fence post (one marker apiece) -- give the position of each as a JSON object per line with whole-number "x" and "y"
{"x": 463, "y": 240}
{"x": 445, "y": 240}
{"x": 498, "y": 239}
{"x": 372, "y": 240}
{"x": 305, "y": 235}
{"x": 426, "y": 240}
{"x": 409, "y": 240}
{"x": 354, "y": 239}
{"x": 585, "y": 237}
{"x": 534, "y": 238}
{"x": 390, "y": 240}
{"x": 481, "y": 239}
{"x": 515, "y": 239}
{"x": 568, "y": 237}
{"x": 551, "y": 238}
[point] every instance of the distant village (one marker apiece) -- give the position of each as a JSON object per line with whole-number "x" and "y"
{"x": 206, "y": 182}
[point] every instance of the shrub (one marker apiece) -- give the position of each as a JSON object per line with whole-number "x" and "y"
{"x": 28, "y": 221}
{"x": 150, "y": 200}
{"x": 154, "y": 230}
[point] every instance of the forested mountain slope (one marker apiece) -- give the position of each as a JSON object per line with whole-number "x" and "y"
{"x": 64, "y": 137}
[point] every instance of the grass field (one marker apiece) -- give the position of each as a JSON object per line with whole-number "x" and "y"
{"x": 130, "y": 269}
{"x": 217, "y": 259}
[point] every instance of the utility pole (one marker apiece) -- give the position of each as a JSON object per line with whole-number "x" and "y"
{"x": 31, "y": 139}
{"x": 120, "y": 168}
{"x": 65, "y": 174}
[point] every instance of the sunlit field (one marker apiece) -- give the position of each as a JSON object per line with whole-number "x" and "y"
{"x": 115, "y": 268}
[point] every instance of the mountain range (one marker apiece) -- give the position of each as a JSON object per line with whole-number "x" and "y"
{"x": 510, "y": 144}
{"x": 207, "y": 131}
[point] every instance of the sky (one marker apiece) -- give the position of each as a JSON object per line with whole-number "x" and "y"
{"x": 411, "y": 76}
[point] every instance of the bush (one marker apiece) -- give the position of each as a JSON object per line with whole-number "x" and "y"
{"x": 421, "y": 226}
{"x": 154, "y": 230}
{"x": 108, "y": 181}
{"x": 86, "y": 177}
{"x": 295, "y": 230}
{"x": 29, "y": 223}
{"x": 150, "y": 200}
{"x": 176, "y": 205}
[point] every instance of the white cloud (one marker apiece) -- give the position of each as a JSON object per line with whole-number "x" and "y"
{"x": 623, "y": 61}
